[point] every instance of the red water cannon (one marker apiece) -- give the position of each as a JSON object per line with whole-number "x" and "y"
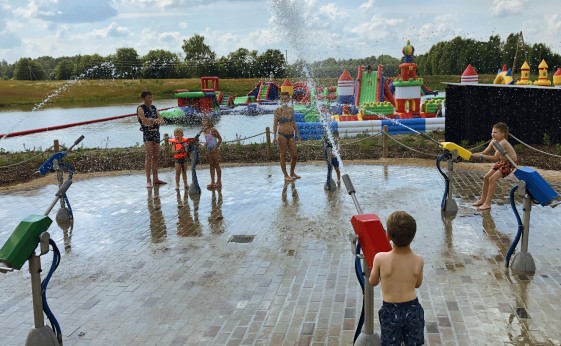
{"x": 371, "y": 236}
{"x": 368, "y": 229}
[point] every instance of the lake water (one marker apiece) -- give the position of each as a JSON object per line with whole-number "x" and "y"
{"x": 114, "y": 133}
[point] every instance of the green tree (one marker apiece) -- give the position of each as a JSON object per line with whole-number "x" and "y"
{"x": 93, "y": 66}
{"x": 64, "y": 70}
{"x": 6, "y": 70}
{"x": 198, "y": 56}
{"x": 127, "y": 63}
{"x": 160, "y": 63}
{"x": 271, "y": 64}
{"x": 238, "y": 64}
{"x": 27, "y": 69}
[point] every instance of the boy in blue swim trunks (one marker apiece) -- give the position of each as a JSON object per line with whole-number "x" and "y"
{"x": 402, "y": 318}
{"x": 330, "y": 156}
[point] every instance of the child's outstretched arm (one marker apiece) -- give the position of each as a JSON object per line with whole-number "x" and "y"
{"x": 420, "y": 278}
{"x": 374, "y": 278}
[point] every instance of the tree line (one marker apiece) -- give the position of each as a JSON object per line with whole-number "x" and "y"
{"x": 443, "y": 58}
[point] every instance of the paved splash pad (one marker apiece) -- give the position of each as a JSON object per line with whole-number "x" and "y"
{"x": 264, "y": 263}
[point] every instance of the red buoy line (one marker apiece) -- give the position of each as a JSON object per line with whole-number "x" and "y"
{"x": 58, "y": 127}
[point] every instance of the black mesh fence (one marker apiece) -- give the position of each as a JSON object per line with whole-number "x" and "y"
{"x": 529, "y": 112}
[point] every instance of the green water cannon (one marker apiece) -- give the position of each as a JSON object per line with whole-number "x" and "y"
{"x": 27, "y": 236}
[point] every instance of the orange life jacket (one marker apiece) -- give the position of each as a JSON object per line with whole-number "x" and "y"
{"x": 177, "y": 145}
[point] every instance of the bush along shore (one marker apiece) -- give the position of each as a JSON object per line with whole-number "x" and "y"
{"x": 22, "y": 166}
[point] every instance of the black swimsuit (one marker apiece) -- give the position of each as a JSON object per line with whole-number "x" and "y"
{"x": 150, "y": 133}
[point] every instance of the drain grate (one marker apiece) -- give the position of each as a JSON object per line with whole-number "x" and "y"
{"x": 241, "y": 239}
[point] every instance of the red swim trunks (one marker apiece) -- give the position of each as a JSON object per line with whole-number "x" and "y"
{"x": 505, "y": 167}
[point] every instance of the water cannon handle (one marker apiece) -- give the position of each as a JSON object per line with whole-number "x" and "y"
{"x": 502, "y": 150}
{"x": 63, "y": 188}
{"x": 348, "y": 184}
{"x": 499, "y": 147}
{"x": 76, "y": 142}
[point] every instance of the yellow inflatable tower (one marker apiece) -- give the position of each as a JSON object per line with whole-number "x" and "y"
{"x": 542, "y": 79}
{"x": 524, "y": 75}
{"x": 287, "y": 87}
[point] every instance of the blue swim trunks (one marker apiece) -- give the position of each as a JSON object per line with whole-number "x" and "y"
{"x": 402, "y": 323}
{"x": 334, "y": 161}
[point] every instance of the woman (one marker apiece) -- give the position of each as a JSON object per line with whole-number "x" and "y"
{"x": 285, "y": 124}
{"x": 150, "y": 121}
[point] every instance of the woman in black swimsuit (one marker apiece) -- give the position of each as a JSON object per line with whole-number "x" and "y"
{"x": 288, "y": 132}
{"x": 150, "y": 121}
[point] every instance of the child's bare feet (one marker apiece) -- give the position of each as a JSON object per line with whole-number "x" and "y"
{"x": 478, "y": 203}
{"x": 177, "y": 187}
{"x": 210, "y": 186}
{"x": 484, "y": 207}
{"x": 217, "y": 185}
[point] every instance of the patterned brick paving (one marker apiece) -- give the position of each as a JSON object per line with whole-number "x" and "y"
{"x": 145, "y": 267}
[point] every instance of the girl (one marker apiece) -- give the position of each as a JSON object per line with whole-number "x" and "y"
{"x": 179, "y": 149}
{"x": 213, "y": 140}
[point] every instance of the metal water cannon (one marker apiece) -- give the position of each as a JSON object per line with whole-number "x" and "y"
{"x": 536, "y": 186}
{"x": 52, "y": 163}
{"x": 533, "y": 188}
{"x": 371, "y": 238}
{"x": 194, "y": 188}
{"x": 451, "y": 153}
{"x": 19, "y": 248}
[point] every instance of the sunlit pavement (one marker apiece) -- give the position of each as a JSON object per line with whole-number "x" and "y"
{"x": 151, "y": 267}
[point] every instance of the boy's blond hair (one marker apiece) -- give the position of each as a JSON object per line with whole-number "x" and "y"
{"x": 401, "y": 228}
{"x": 178, "y": 131}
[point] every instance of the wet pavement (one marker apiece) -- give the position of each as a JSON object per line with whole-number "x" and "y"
{"x": 264, "y": 263}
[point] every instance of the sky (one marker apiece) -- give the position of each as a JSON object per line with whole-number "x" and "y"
{"x": 302, "y": 29}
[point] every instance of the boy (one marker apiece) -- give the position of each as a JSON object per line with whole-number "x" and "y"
{"x": 501, "y": 169}
{"x": 330, "y": 156}
{"x": 402, "y": 318}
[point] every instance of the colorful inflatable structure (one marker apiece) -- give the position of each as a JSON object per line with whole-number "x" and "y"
{"x": 192, "y": 104}
{"x": 504, "y": 76}
{"x": 265, "y": 92}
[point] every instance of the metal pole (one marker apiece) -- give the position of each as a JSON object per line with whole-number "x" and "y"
{"x": 526, "y": 222}
{"x": 35, "y": 270}
{"x": 385, "y": 142}
{"x": 368, "y": 301}
{"x": 268, "y": 138}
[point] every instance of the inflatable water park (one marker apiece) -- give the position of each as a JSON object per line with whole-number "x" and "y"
{"x": 361, "y": 105}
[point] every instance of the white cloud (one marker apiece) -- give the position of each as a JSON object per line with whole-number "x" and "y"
{"x": 113, "y": 30}
{"x": 333, "y": 12}
{"x": 367, "y": 5}
{"x": 72, "y": 11}
{"x": 169, "y": 36}
{"x": 501, "y": 8}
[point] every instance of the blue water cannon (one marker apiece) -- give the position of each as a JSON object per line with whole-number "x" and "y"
{"x": 534, "y": 189}
{"x": 52, "y": 163}
{"x": 536, "y": 186}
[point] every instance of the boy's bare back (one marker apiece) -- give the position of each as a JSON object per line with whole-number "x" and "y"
{"x": 400, "y": 271}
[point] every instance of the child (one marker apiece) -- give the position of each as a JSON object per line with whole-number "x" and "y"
{"x": 330, "y": 156}
{"x": 179, "y": 150}
{"x": 401, "y": 316}
{"x": 500, "y": 170}
{"x": 213, "y": 140}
